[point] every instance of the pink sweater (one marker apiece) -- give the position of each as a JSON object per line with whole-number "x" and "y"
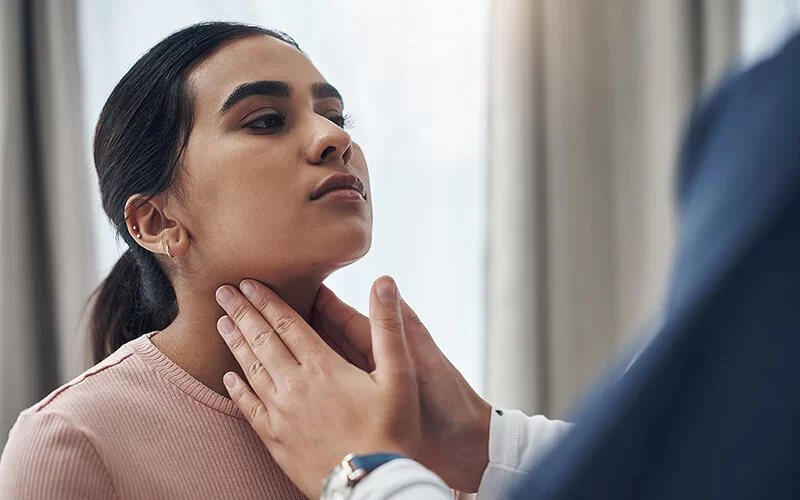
{"x": 137, "y": 426}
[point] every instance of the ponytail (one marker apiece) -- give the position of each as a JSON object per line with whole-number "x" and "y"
{"x": 135, "y": 298}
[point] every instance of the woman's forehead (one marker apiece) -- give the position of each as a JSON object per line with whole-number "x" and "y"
{"x": 257, "y": 58}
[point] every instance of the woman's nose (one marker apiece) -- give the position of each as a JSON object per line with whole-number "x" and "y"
{"x": 330, "y": 143}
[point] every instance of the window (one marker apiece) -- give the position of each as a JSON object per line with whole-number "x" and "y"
{"x": 765, "y": 25}
{"x": 413, "y": 77}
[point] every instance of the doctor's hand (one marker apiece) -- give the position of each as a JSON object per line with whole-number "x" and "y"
{"x": 309, "y": 405}
{"x": 454, "y": 418}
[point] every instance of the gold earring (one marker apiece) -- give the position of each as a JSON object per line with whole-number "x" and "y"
{"x": 168, "y": 253}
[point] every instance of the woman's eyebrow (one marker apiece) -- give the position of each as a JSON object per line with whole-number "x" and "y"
{"x": 271, "y": 88}
{"x": 324, "y": 90}
{"x": 276, "y": 88}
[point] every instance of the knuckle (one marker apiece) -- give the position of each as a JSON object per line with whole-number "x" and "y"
{"x": 389, "y": 323}
{"x": 260, "y": 337}
{"x": 349, "y": 320}
{"x": 284, "y": 325}
{"x": 410, "y": 317}
{"x": 275, "y": 431}
{"x": 269, "y": 432}
{"x": 262, "y": 301}
{"x": 257, "y": 412}
{"x": 239, "y": 312}
{"x": 255, "y": 369}
{"x": 415, "y": 322}
{"x": 239, "y": 343}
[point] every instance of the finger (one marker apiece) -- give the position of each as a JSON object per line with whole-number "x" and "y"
{"x": 253, "y": 408}
{"x": 410, "y": 318}
{"x": 295, "y": 334}
{"x": 334, "y": 338}
{"x": 346, "y": 321}
{"x": 254, "y": 370}
{"x": 419, "y": 340}
{"x": 388, "y": 337}
{"x": 350, "y": 326}
{"x": 316, "y": 324}
{"x": 258, "y": 332}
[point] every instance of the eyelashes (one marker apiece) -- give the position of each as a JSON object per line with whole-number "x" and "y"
{"x": 344, "y": 121}
{"x": 274, "y": 122}
{"x": 269, "y": 123}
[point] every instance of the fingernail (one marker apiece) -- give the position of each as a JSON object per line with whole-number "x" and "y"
{"x": 224, "y": 294}
{"x": 229, "y": 380}
{"x": 247, "y": 288}
{"x": 387, "y": 291}
{"x": 225, "y": 325}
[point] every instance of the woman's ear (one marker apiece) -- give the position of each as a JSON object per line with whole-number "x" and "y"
{"x": 153, "y": 229}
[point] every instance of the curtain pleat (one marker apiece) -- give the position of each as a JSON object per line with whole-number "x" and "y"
{"x": 587, "y": 102}
{"x": 46, "y": 255}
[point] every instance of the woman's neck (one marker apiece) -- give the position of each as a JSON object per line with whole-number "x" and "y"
{"x": 192, "y": 340}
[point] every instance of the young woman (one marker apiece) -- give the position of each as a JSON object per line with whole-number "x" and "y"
{"x": 221, "y": 155}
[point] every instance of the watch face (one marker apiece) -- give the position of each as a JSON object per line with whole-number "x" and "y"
{"x": 336, "y": 485}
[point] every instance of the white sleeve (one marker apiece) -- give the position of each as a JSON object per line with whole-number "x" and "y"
{"x": 516, "y": 442}
{"x": 402, "y": 479}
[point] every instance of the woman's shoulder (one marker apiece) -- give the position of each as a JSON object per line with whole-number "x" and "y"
{"x": 47, "y": 456}
{"x": 58, "y": 435}
{"x": 93, "y": 396}
{"x": 100, "y": 381}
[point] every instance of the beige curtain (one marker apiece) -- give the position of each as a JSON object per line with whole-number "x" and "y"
{"x": 588, "y": 98}
{"x": 46, "y": 252}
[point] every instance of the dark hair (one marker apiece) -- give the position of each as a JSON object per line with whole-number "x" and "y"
{"x": 138, "y": 144}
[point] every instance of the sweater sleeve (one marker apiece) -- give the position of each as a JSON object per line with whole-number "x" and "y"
{"x": 48, "y": 457}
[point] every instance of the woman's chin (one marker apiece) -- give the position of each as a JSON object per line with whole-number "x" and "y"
{"x": 344, "y": 246}
{"x": 349, "y": 254}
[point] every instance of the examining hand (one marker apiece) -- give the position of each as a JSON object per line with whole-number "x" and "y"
{"x": 454, "y": 418}
{"x": 308, "y": 405}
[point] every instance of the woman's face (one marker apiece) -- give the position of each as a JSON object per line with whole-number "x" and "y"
{"x": 267, "y": 134}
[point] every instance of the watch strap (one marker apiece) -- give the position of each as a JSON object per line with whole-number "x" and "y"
{"x": 344, "y": 477}
{"x": 362, "y": 465}
{"x": 372, "y": 461}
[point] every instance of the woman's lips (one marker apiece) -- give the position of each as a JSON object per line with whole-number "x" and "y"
{"x": 340, "y": 181}
{"x": 343, "y": 194}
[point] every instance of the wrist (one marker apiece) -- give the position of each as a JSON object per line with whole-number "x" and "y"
{"x": 341, "y": 481}
{"x": 469, "y": 449}
{"x": 408, "y": 450}
{"x": 479, "y": 437}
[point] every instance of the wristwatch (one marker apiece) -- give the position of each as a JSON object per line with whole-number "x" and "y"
{"x": 344, "y": 477}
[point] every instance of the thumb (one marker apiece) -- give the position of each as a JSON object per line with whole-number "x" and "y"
{"x": 389, "y": 349}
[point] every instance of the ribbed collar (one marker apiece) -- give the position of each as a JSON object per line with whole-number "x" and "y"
{"x": 177, "y": 376}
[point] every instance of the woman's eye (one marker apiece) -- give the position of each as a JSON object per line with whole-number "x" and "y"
{"x": 268, "y": 123}
{"x": 343, "y": 121}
